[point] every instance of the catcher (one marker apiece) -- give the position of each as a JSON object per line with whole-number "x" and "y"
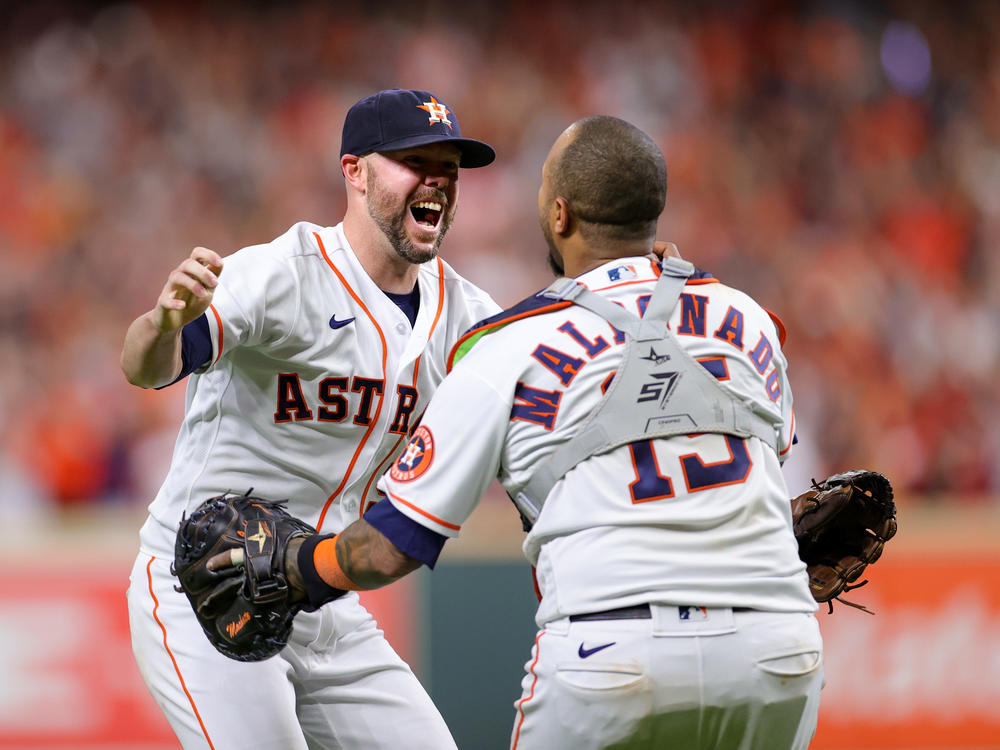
{"x": 239, "y": 558}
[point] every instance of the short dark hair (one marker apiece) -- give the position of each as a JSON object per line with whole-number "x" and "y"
{"x": 614, "y": 178}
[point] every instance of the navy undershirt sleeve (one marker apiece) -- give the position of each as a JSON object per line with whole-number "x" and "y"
{"x": 410, "y": 537}
{"x": 196, "y": 347}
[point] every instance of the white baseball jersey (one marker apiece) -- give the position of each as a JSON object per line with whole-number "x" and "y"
{"x": 315, "y": 381}
{"x": 694, "y": 519}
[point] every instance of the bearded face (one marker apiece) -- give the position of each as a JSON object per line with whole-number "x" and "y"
{"x": 416, "y": 224}
{"x": 553, "y": 258}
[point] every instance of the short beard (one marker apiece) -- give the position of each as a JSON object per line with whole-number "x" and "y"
{"x": 553, "y": 259}
{"x": 382, "y": 208}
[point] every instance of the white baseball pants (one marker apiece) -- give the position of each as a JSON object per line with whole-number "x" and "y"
{"x": 684, "y": 677}
{"x": 337, "y": 685}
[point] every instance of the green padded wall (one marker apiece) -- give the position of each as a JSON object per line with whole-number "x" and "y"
{"x": 478, "y": 632}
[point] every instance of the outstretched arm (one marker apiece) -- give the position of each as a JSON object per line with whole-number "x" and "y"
{"x": 151, "y": 354}
{"x": 247, "y": 567}
{"x": 360, "y": 557}
{"x": 320, "y": 568}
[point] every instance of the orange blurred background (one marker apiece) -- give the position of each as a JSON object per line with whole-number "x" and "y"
{"x": 840, "y": 161}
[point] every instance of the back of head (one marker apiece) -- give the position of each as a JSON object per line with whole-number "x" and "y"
{"x": 614, "y": 177}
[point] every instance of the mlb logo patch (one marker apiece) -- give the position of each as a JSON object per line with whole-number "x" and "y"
{"x": 692, "y": 614}
{"x": 622, "y": 273}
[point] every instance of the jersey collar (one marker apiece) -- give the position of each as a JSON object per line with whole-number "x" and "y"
{"x": 619, "y": 272}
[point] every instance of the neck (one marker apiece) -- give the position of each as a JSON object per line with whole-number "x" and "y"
{"x": 390, "y": 272}
{"x": 580, "y": 257}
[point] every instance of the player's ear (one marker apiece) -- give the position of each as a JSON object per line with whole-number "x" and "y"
{"x": 562, "y": 217}
{"x": 354, "y": 171}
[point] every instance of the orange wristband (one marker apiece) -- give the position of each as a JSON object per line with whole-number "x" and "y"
{"x": 328, "y": 567}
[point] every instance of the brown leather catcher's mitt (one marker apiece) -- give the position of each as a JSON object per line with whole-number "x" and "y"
{"x": 841, "y": 525}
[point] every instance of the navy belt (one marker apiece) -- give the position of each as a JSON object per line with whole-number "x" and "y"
{"x": 635, "y": 612}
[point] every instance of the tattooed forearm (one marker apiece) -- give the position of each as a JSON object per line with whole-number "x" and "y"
{"x": 369, "y": 559}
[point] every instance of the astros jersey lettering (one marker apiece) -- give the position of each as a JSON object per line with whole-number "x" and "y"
{"x": 694, "y": 519}
{"x": 316, "y": 380}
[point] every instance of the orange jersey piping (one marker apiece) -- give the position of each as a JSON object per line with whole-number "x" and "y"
{"x": 416, "y": 369}
{"x": 424, "y": 513}
{"x": 381, "y": 398}
{"x": 481, "y": 329}
{"x": 654, "y": 266}
{"x": 791, "y": 436}
{"x": 218, "y": 324}
{"x": 531, "y": 694}
{"x": 782, "y": 333}
{"x": 177, "y": 669}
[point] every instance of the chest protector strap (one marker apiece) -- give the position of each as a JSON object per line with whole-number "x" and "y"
{"x": 658, "y": 391}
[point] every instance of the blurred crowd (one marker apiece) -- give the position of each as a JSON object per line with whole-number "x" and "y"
{"x": 839, "y": 161}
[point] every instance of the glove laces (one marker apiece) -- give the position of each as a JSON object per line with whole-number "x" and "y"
{"x": 862, "y": 607}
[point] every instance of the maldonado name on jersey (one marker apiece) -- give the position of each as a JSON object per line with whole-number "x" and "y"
{"x": 541, "y": 406}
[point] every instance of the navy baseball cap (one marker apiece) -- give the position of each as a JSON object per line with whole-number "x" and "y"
{"x": 400, "y": 118}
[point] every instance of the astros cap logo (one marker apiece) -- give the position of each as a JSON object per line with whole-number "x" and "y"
{"x": 417, "y": 457}
{"x": 438, "y": 112}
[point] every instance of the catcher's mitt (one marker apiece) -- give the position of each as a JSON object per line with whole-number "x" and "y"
{"x": 841, "y": 525}
{"x": 245, "y": 607}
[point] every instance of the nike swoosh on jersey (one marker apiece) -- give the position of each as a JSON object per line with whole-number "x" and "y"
{"x": 583, "y": 653}
{"x": 335, "y": 324}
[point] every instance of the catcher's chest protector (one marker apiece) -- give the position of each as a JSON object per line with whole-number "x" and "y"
{"x": 659, "y": 390}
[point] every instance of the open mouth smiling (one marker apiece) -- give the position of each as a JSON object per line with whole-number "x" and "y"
{"x": 427, "y": 213}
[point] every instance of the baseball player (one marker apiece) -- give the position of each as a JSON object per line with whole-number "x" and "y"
{"x": 638, "y": 414}
{"x": 308, "y": 360}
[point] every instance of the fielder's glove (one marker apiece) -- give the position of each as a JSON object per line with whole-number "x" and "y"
{"x": 841, "y": 525}
{"x": 243, "y": 600}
